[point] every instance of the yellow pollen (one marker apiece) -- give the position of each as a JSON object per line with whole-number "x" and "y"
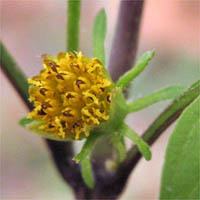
{"x": 71, "y": 95}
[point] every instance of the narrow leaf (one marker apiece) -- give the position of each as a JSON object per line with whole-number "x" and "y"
{"x": 99, "y": 34}
{"x": 86, "y": 171}
{"x": 87, "y": 147}
{"x": 180, "y": 178}
{"x": 161, "y": 95}
{"x": 141, "y": 144}
{"x": 118, "y": 142}
{"x": 73, "y": 23}
{"x": 25, "y": 121}
{"x": 125, "y": 79}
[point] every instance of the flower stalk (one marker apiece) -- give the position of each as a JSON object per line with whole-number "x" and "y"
{"x": 73, "y": 24}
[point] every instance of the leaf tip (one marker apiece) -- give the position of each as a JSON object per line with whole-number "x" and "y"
{"x": 148, "y": 156}
{"x": 102, "y": 11}
{"x": 152, "y": 53}
{"x": 24, "y": 121}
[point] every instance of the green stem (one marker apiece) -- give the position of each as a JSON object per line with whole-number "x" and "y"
{"x": 15, "y": 75}
{"x": 155, "y": 130}
{"x": 73, "y": 22}
{"x": 161, "y": 95}
{"x": 99, "y": 34}
{"x": 168, "y": 116}
{"x": 125, "y": 79}
{"x": 178, "y": 106}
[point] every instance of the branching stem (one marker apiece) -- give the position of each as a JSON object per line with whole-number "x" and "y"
{"x": 126, "y": 38}
{"x": 62, "y": 152}
{"x": 108, "y": 186}
{"x": 163, "y": 121}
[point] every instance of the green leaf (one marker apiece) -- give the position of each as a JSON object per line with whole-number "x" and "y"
{"x": 25, "y": 121}
{"x": 86, "y": 171}
{"x": 99, "y": 34}
{"x": 73, "y": 23}
{"x": 163, "y": 94}
{"x": 180, "y": 178}
{"x": 141, "y": 144}
{"x": 136, "y": 70}
{"x": 87, "y": 147}
{"x": 118, "y": 142}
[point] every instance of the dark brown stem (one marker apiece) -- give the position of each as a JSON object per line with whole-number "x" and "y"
{"x": 123, "y": 54}
{"x": 108, "y": 186}
{"x": 126, "y": 37}
{"x": 62, "y": 152}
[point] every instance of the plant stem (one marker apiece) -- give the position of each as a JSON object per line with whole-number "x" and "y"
{"x": 15, "y": 75}
{"x": 163, "y": 121}
{"x": 73, "y": 21}
{"x": 126, "y": 38}
{"x": 169, "y": 115}
{"x": 122, "y": 58}
{"x": 99, "y": 34}
{"x": 62, "y": 152}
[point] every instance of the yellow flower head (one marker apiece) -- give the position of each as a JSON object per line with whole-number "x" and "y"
{"x": 71, "y": 95}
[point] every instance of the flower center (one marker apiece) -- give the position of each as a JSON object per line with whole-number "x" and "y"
{"x": 71, "y": 95}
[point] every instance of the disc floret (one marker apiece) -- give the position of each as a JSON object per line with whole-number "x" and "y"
{"x": 71, "y": 95}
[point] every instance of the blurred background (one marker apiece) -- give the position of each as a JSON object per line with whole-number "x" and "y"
{"x": 30, "y": 28}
